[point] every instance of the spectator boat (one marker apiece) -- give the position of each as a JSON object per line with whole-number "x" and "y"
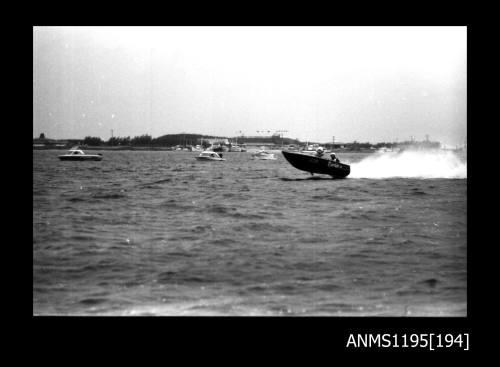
{"x": 209, "y": 155}
{"x": 76, "y": 154}
{"x": 262, "y": 154}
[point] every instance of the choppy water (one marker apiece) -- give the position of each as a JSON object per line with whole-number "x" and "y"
{"x": 159, "y": 233}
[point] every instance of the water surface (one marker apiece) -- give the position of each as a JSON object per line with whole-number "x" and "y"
{"x": 159, "y": 233}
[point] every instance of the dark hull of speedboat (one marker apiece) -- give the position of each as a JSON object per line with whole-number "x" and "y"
{"x": 80, "y": 158}
{"x": 314, "y": 164}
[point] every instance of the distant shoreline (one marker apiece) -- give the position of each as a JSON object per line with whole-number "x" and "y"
{"x": 169, "y": 149}
{"x": 102, "y": 148}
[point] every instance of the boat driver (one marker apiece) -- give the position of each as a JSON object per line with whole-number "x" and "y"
{"x": 319, "y": 152}
{"x": 334, "y": 158}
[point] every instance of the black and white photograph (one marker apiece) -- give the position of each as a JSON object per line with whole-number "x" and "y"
{"x": 250, "y": 171}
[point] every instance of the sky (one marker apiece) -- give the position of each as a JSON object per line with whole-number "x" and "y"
{"x": 365, "y": 84}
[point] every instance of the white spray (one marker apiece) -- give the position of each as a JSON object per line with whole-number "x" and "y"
{"x": 416, "y": 164}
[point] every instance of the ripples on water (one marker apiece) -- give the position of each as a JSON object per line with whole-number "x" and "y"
{"x": 159, "y": 233}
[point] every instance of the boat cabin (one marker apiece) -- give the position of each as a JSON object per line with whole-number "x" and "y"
{"x": 76, "y": 152}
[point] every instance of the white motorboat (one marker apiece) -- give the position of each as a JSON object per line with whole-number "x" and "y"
{"x": 76, "y": 154}
{"x": 209, "y": 155}
{"x": 262, "y": 154}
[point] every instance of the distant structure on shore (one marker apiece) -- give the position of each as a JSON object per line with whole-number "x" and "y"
{"x": 188, "y": 141}
{"x": 42, "y": 142}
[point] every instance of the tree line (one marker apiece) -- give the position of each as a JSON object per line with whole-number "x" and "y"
{"x": 195, "y": 139}
{"x": 148, "y": 141}
{"x": 143, "y": 140}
